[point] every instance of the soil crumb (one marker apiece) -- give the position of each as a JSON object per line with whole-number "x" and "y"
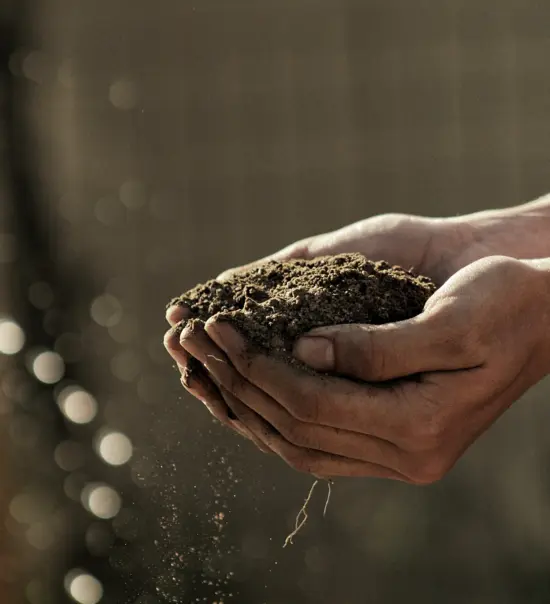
{"x": 273, "y": 304}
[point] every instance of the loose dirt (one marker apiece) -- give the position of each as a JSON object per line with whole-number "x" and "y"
{"x": 273, "y": 304}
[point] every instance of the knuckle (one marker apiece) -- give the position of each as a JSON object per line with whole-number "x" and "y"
{"x": 370, "y": 358}
{"x": 429, "y": 470}
{"x": 376, "y": 365}
{"x": 298, "y": 434}
{"x": 371, "y": 361}
{"x": 291, "y": 432}
{"x": 304, "y": 248}
{"x": 306, "y": 409}
{"x": 244, "y": 363}
{"x": 472, "y": 346}
{"x": 185, "y": 337}
{"x": 301, "y": 461}
{"x": 463, "y": 336}
{"x": 504, "y": 263}
{"x": 235, "y": 384}
{"x": 426, "y": 435}
{"x": 296, "y": 460}
{"x": 231, "y": 381}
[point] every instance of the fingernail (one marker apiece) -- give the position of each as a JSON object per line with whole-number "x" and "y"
{"x": 316, "y": 352}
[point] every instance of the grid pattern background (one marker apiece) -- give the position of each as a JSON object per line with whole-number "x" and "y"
{"x": 177, "y": 138}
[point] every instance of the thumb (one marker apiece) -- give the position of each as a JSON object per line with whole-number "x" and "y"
{"x": 383, "y": 352}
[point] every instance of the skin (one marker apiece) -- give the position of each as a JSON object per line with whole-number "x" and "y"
{"x": 430, "y": 386}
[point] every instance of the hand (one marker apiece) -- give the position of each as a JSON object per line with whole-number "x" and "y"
{"x": 481, "y": 342}
{"x": 198, "y": 382}
{"x": 433, "y": 246}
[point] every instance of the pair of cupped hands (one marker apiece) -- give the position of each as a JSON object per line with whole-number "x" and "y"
{"x": 422, "y": 390}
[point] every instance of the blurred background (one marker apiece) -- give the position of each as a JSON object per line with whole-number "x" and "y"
{"x": 146, "y": 146}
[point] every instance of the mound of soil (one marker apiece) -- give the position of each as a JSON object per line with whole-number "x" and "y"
{"x": 275, "y": 303}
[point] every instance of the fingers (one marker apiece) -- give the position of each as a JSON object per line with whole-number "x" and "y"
{"x": 193, "y": 377}
{"x": 177, "y": 313}
{"x": 187, "y": 368}
{"x": 309, "y": 461}
{"x": 324, "y": 438}
{"x": 196, "y": 342}
{"x": 201, "y": 387}
{"x": 197, "y": 345}
{"x": 425, "y": 343}
{"x": 196, "y": 380}
{"x": 316, "y": 399}
{"x": 173, "y": 346}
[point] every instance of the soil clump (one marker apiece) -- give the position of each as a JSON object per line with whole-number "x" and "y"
{"x": 275, "y": 303}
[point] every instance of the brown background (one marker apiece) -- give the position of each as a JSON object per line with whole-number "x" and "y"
{"x": 242, "y": 126}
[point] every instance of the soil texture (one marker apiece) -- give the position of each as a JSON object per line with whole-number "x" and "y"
{"x": 273, "y": 304}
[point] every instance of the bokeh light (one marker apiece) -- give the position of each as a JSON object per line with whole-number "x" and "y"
{"x": 77, "y": 405}
{"x": 114, "y": 448}
{"x": 83, "y": 587}
{"x": 126, "y": 365}
{"x": 25, "y": 508}
{"x": 12, "y": 337}
{"x": 41, "y": 295}
{"x": 106, "y": 310}
{"x": 36, "y": 66}
{"x": 40, "y": 535}
{"x": 123, "y": 94}
{"x": 101, "y": 500}
{"x": 48, "y": 367}
{"x": 132, "y": 194}
{"x": 109, "y": 211}
{"x": 35, "y": 592}
{"x": 69, "y": 455}
{"x": 125, "y": 330}
{"x": 74, "y": 484}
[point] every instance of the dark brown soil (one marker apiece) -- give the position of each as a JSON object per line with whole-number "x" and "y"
{"x": 275, "y": 303}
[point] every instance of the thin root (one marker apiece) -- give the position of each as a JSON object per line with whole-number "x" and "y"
{"x": 329, "y": 483}
{"x": 302, "y": 516}
{"x": 211, "y": 356}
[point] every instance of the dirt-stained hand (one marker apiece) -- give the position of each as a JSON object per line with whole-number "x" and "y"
{"x": 436, "y": 247}
{"x": 431, "y": 245}
{"x": 198, "y": 382}
{"x": 481, "y": 342}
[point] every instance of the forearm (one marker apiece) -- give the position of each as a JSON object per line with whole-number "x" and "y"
{"x": 520, "y": 232}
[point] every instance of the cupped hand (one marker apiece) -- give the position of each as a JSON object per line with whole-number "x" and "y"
{"x": 198, "y": 382}
{"x": 432, "y": 246}
{"x": 429, "y": 245}
{"x": 436, "y": 247}
{"x": 433, "y": 384}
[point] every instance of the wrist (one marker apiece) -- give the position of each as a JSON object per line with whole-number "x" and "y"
{"x": 518, "y": 232}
